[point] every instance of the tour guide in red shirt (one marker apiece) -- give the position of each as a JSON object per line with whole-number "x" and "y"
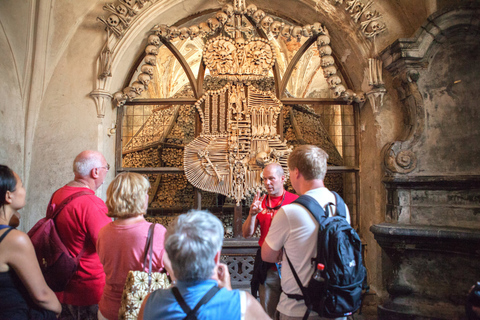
{"x": 266, "y": 278}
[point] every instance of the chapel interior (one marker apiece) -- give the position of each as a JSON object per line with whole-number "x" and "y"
{"x": 199, "y": 95}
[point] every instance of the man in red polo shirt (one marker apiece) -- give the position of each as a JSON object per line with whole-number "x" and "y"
{"x": 261, "y": 212}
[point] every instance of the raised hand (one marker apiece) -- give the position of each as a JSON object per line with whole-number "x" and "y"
{"x": 256, "y": 206}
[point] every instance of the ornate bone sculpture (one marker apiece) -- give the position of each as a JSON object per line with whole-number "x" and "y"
{"x": 239, "y": 137}
{"x": 239, "y": 122}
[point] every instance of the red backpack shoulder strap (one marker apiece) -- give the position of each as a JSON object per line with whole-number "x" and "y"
{"x": 53, "y": 211}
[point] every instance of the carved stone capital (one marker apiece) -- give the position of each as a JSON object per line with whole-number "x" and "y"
{"x": 101, "y": 98}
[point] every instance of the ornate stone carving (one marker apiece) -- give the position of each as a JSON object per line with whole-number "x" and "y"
{"x": 102, "y": 98}
{"x": 398, "y": 156}
{"x": 375, "y": 80}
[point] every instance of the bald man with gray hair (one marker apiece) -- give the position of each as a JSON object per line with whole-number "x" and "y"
{"x": 78, "y": 224}
{"x": 266, "y": 276}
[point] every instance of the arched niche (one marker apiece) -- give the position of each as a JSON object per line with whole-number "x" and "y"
{"x": 167, "y": 79}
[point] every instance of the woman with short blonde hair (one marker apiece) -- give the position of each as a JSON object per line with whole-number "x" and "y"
{"x": 121, "y": 243}
{"x": 127, "y": 195}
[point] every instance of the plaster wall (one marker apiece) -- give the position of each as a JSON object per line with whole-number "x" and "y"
{"x": 15, "y": 45}
{"x": 450, "y": 95}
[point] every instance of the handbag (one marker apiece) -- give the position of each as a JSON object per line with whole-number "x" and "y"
{"x": 140, "y": 283}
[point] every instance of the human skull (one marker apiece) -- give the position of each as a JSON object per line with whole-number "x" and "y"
{"x": 153, "y": 40}
{"x": 138, "y": 87}
{"x": 121, "y": 9}
{"x": 347, "y": 95}
{"x": 377, "y": 26}
{"x": 120, "y": 98}
{"x": 144, "y": 78}
{"x": 275, "y": 28}
{"x": 334, "y": 80}
{"x": 151, "y": 49}
{"x": 323, "y": 40}
{"x": 174, "y": 33}
{"x": 266, "y": 22}
{"x": 307, "y": 30}
{"x": 339, "y": 90}
{"x": 317, "y": 28}
{"x": 194, "y": 31}
{"x": 328, "y": 71}
{"x": 324, "y": 51}
{"x": 204, "y": 29}
{"x": 184, "y": 33}
{"x": 240, "y": 41}
{"x": 150, "y": 59}
{"x": 148, "y": 69}
{"x": 369, "y": 15}
{"x": 228, "y": 9}
{"x": 222, "y": 17}
{"x": 129, "y": 2}
{"x": 162, "y": 31}
{"x": 297, "y": 33}
{"x": 327, "y": 61}
{"x": 251, "y": 9}
{"x": 359, "y": 97}
{"x": 258, "y": 16}
{"x": 130, "y": 93}
{"x": 113, "y": 20}
{"x": 286, "y": 32}
{"x": 213, "y": 23}
{"x": 261, "y": 158}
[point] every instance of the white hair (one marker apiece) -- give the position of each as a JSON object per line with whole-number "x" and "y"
{"x": 84, "y": 165}
{"x": 192, "y": 244}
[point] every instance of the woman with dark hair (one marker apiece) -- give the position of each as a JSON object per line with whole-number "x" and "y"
{"x": 23, "y": 291}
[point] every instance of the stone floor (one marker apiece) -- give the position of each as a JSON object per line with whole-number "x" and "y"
{"x": 368, "y": 313}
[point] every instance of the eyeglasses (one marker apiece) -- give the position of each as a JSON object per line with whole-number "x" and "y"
{"x": 107, "y": 167}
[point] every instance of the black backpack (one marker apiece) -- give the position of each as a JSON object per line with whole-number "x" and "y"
{"x": 339, "y": 249}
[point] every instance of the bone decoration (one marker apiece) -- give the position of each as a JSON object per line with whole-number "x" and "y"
{"x": 232, "y": 150}
{"x": 240, "y": 56}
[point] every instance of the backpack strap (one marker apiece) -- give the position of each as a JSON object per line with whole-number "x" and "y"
{"x": 304, "y": 295}
{"x": 341, "y": 212}
{"x": 5, "y": 233}
{"x": 313, "y": 206}
{"x": 67, "y": 200}
{"x": 57, "y": 209}
{"x": 192, "y": 314}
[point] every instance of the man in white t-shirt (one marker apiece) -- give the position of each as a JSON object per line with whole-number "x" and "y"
{"x": 295, "y": 230}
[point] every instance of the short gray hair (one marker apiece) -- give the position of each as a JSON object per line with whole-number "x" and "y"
{"x": 192, "y": 243}
{"x": 85, "y": 162}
